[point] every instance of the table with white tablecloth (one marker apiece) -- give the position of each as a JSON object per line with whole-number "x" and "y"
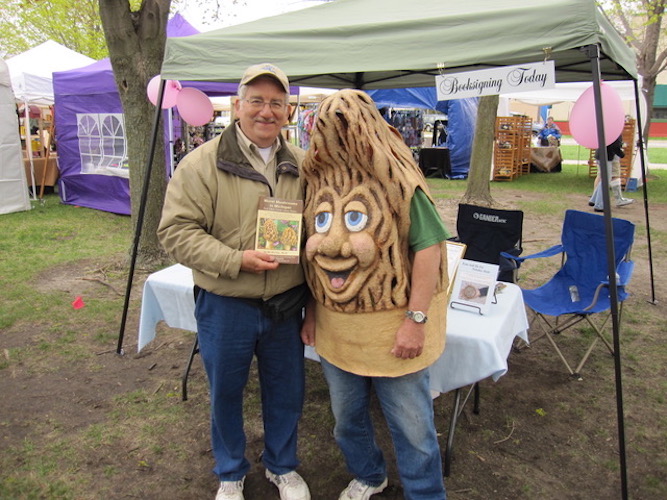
{"x": 477, "y": 345}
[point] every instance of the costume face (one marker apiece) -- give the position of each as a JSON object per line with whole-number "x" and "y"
{"x": 262, "y": 126}
{"x": 346, "y": 243}
{"x": 359, "y": 182}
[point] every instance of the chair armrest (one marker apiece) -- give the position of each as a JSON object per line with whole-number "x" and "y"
{"x": 549, "y": 252}
{"x": 623, "y": 273}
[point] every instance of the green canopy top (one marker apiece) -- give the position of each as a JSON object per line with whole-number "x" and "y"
{"x": 370, "y": 44}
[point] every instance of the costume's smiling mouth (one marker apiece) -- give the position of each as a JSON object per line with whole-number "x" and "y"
{"x": 337, "y": 270}
{"x": 337, "y": 280}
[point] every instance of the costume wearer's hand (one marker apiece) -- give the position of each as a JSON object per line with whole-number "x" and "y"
{"x": 255, "y": 261}
{"x": 308, "y": 326}
{"x": 409, "y": 340}
{"x": 308, "y": 333}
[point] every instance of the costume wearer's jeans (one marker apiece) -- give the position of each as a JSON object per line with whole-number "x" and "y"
{"x": 408, "y": 409}
{"x": 230, "y": 332}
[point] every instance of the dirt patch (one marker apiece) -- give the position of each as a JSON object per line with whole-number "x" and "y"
{"x": 84, "y": 277}
{"x": 79, "y": 421}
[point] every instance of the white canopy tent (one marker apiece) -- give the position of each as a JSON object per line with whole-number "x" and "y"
{"x": 32, "y": 71}
{"x": 31, "y": 75}
{"x": 570, "y": 92}
{"x": 13, "y": 192}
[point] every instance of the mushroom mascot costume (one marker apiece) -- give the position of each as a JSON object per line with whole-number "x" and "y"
{"x": 360, "y": 179}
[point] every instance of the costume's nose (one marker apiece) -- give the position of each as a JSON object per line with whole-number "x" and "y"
{"x": 335, "y": 241}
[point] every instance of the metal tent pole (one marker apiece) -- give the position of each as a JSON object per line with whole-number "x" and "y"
{"x": 28, "y": 147}
{"x": 140, "y": 215}
{"x": 640, "y": 145}
{"x": 593, "y": 51}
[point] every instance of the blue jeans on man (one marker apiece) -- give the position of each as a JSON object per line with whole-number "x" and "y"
{"x": 408, "y": 409}
{"x": 231, "y": 331}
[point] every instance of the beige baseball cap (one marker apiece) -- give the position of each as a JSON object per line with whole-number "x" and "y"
{"x": 265, "y": 69}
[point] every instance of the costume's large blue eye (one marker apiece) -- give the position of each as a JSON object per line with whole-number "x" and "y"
{"x": 355, "y": 221}
{"x": 323, "y": 222}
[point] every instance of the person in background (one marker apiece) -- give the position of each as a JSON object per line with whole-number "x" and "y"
{"x": 549, "y": 130}
{"x": 439, "y": 134}
{"x": 614, "y": 154}
{"x": 247, "y": 304}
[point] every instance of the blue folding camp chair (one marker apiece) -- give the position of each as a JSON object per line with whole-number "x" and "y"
{"x": 580, "y": 289}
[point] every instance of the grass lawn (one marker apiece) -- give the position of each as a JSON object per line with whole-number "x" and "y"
{"x": 572, "y": 179}
{"x": 580, "y": 153}
{"x": 79, "y": 422}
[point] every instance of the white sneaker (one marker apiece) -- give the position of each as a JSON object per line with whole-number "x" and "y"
{"x": 357, "y": 490}
{"x": 624, "y": 201}
{"x": 291, "y": 485}
{"x": 230, "y": 490}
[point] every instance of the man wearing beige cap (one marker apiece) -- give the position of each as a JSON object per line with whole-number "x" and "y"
{"x": 247, "y": 303}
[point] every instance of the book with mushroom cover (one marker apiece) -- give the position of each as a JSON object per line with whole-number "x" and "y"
{"x": 279, "y": 227}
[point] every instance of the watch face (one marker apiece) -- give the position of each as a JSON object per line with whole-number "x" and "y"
{"x": 418, "y": 317}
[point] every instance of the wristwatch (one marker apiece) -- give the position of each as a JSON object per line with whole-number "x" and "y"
{"x": 416, "y": 316}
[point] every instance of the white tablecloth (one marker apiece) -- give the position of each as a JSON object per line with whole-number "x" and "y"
{"x": 168, "y": 296}
{"x": 477, "y": 346}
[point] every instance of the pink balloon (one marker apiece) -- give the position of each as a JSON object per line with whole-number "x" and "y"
{"x": 194, "y": 106}
{"x": 583, "y": 122}
{"x": 171, "y": 90}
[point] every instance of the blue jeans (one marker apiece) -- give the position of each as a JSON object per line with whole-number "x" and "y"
{"x": 230, "y": 333}
{"x": 408, "y": 409}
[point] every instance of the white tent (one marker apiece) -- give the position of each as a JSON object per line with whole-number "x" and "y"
{"x": 31, "y": 71}
{"x": 13, "y": 189}
{"x": 570, "y": 92}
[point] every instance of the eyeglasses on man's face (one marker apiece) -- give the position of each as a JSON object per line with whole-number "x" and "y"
{"x": 258, "y": 104}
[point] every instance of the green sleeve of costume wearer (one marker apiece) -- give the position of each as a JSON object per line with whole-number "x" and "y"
{"x": 426, "y": 226}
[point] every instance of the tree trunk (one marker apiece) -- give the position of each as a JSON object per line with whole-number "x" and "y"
{"x": 648, "y": 90}
{"x": 478, "y": 191}
{"x": 646, "y": 59}
{"x": 136, "y": 43}
{"x": 641, "y": 26}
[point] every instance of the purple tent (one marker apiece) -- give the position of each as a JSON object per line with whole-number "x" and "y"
{"x": 90, "y": 133}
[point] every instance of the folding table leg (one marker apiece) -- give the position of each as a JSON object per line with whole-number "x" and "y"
{"x": 475, "y": 407}
{"x": 452, "y": 428}
{"x": 456, "y": 412}
{"x": 184, "y": 380}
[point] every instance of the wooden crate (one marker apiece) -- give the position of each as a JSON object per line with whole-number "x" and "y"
{"x": 511, "y": 151}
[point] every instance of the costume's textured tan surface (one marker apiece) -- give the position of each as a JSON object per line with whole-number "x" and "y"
{"x": 360, "y": 178}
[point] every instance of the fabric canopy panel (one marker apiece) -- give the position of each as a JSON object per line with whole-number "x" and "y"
{"x": 13, "y": 186}
{"x": 370, "y": 44}
{"x": 31, "y": 71}
{"x": 570, "y": 92}
{"x": 91, "y": 91}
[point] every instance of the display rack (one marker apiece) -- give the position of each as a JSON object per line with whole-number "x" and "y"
{"x": 37, "y": 134}
{"x": 511, "y": 149}
{"x": 628, "y": 148}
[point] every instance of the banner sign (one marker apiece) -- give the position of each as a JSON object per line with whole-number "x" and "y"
{"x": 501, "y": 80}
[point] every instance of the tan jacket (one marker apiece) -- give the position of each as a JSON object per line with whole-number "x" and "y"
{"x": 210, "y": 216}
